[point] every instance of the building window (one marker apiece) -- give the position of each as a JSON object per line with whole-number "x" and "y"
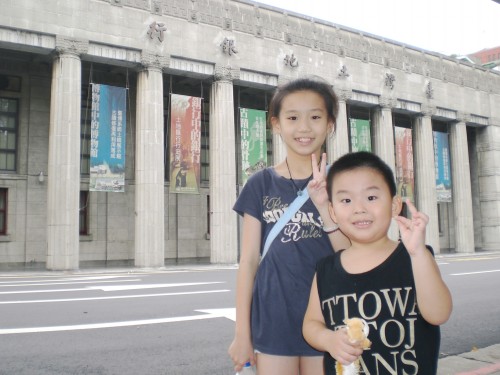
{"x": 208, "y": 215}
{"x": 84, "y": 212}
{"x": 85, "y": 133}
{"x": 3, "y": 211}
{"x": 85, "y": 150}
{"x": 8, "y": 133}
{"x": 205, "y": 148}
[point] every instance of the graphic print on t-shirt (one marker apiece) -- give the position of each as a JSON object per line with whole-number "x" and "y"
{"x": 301, "y": 225}
{"x": 395, "y": 331}
{"x": 385, "y": 297}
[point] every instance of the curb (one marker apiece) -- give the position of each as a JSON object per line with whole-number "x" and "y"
{"x": 485, "y": 361}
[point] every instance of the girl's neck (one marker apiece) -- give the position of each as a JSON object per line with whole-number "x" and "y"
{"x": 299, "y": 167}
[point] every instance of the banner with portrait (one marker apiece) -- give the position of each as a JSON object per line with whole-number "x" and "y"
{"x": 185, "y": 144}
{"x": 405, "y": 178}
{"x": 107, "y": 138}
{"x": 253, "y": 141}
{"x": 442, "y": 166}
{"x": 360, "y": 135}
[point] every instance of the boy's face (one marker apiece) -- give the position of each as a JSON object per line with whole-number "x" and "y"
{"x": 362, "y": 205}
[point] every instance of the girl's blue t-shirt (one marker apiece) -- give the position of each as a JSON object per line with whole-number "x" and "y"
{"x": 284, "y": 277}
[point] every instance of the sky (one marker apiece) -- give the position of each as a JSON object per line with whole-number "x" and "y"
{"x": 449, "y": 27}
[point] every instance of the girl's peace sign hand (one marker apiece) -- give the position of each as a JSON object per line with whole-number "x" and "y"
{"x": 317, "y": 186}
{"x": 413, "y": 230}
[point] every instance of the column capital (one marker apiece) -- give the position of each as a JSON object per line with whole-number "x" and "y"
{"x": 494, "y": 121}
{"x": 427, "y": 110}
{"x": 344, "y": 94}
{"x": 463, "y": 117}
{"x": 224, "y": 73}
{"x": 67, "y": 46}
{"x": 282, "y": 79}
{"x": 154, "y": 61}
{"x": 386, "y": 102}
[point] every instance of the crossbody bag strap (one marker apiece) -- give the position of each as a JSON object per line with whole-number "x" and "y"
{"x": 285, "y": 218}
{"x": 289, "y": 213}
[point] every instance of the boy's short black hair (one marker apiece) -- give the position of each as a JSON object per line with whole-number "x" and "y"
{"x": 361, "y": 159}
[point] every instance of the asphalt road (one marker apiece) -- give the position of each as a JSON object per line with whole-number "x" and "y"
{"x": 475, "y": 285}
{"x": 178, "y": 320}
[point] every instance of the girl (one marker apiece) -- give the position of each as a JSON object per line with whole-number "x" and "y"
{"x": 271, "y": 298}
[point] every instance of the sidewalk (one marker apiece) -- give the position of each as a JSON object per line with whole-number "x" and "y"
{"x": 483, "y": 361}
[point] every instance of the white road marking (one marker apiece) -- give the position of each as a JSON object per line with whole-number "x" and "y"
{"x": 114, "y": 297}
{"x": 10, "y": 331}
{"x": 73, "y": 282}
{"x": 475, "y": 258}
{"x": 73, "y": 279}
{"x": 111, "y": 288}
{"x": 473, "y": 273}
{"x": 223, "y": 313}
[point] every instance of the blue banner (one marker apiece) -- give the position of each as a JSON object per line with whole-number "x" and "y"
{"x": 442, "y": 166}
{"x": 107, "y": 138}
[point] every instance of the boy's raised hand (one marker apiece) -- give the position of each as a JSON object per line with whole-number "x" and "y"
{"x": 413, "y": 230}
{"x": 317, "y": 186}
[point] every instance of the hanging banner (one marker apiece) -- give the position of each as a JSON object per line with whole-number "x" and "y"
{"x": 185, "y": 144}
{"x": 404, "y": 163}
{"x": 107, "y": 138}
{"x": 442, "y": 166}
{"x": 360, "y": 135}
{"x": 253, "y": 141}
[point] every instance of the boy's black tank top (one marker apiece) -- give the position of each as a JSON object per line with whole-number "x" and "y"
{"x": 402, "y": 341}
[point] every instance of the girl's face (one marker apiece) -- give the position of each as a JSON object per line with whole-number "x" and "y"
{"x": 362, "y": 205}
{"x": 303, "y": 122}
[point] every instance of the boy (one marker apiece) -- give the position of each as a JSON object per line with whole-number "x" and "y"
{"x": 395, "y": 287}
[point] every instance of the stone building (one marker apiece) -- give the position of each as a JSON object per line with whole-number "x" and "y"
{"x": 232, "y": 53}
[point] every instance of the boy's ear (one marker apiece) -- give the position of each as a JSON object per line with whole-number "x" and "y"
{"x": 332, "y": 212}
{"x": 397, "y": 204}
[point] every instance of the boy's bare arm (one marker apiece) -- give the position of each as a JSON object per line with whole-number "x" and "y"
{"x": 433, "y": 296}
{"x": 323, "y": 339}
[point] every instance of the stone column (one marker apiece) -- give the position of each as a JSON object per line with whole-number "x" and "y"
{"x": 149, "y": 164}
{"x": 461, "y": 188}
{"x": 339, "y": 144}
{"x": 383, "y": 133}
{"x": 425, "y": 175}
{"x": 383, "y": 143}
{"x": 63, "y": 180}
{"x": 223, "y": 221}
{"x": 489, "y": 183}
{"x": 279, "y": 148}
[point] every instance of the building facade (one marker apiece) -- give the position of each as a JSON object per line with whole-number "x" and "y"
{"x": 486, "y": 55}
{"x": 232, "y": 53}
